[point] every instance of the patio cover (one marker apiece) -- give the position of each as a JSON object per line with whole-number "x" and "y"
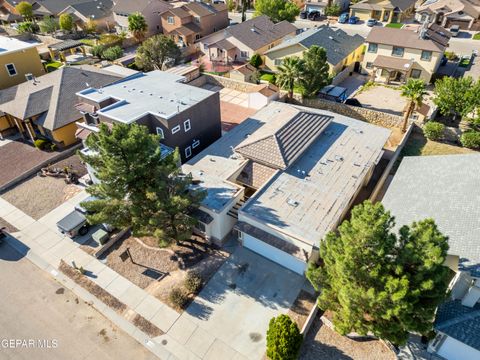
{"x": 65, "y": 45}
{"x": 224, "y": 45}
{"x": 393, "y": 63}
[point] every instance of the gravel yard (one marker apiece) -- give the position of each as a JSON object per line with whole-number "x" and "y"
{"x": 301, "y": 308}
{"x": 324, "y": 343}
{"x": 37, "y": 196}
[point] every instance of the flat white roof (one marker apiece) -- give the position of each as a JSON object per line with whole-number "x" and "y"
{"x": 10, "y": 45}
{"x": 157, "y": 92}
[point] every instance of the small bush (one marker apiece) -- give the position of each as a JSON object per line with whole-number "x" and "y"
{"x": 450, "y": 55}
{"x": 433, "y": 130}
{"x": 113, "y": 53}
{"x": 53, "y": 147}
{"x": 178, "y": 298}
{"x": 98, "y": 50}
{"x": 256, "y": 60}
{"x": 283, "y": 339}
{"x": 476, "y": 36}
{"x": 41, "y": 143}
{"x": 28, "y": 27}
{"x": 193, "y": 282}
{"x": 471, "y": 139}
{"x": 333, "y": 10}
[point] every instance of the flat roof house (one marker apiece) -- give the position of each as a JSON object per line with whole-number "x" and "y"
{"x": 284, "y": 178}
{"x": 44, "y": 107}
{"x": 241, "y": 41}
{"x": 185, "y": 116}
{"x": 446, "y": 188}
{"x": 342, "y": 49}
{"x": 394, "y": 55}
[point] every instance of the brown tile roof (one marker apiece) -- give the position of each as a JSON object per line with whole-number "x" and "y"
{"x": 403, "y": 38}
{"x": 129, "y": 6}
{"x": 260, "y": 31}
{"x": 280, "y": 146}
{"x": 266, "y": 89}
{"x": 224, "y": 44}
{"x": 391, "y": 62}
{"x": 180, "y": 12}
{"x": 255, "y": 174}
{"x": 246, "y": 69}
{"x": 188, "y": 29}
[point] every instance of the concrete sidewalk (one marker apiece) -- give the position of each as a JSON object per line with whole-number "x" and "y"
{"x": 42, "y": 244}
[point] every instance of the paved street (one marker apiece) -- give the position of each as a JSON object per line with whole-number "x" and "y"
{"x": 34, "y": 306}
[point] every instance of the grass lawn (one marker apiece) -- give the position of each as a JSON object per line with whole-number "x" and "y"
{"x": 476, "y": 36}
{"x": 88, "y": 42}
{"x": 53, "y": 65}
{"x": 418, "y": 145}
{"x": 268, "y": 77}
{"x": 394, "y": 25}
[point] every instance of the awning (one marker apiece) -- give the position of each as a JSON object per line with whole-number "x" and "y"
{"x": 223, "y": 44}
{"x": 393, "y": 63}
{"x": 65, "y": 45}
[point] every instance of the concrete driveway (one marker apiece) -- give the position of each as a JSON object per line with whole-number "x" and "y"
{"x": 235, "y": 308}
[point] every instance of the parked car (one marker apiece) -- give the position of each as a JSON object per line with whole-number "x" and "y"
{"x": 371, "y": 22}
{"x": 314, "y": 15}
{"x": 342, "y": 19}
{"x": 304, "y": 14}
{"x": 353, "y": 20}
{"x": 454, "y": 30}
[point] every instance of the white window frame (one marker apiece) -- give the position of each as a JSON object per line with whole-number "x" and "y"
{"x": 14, "y": 69}
{"x": 195, "y": 143}
{"x": 428, "y": 56}
{"x": 175, "y": 129}
{"x": 244, "y": 54}
{"x": 372, "y": 48}
{"x": 187, "y": 125}
{"x": 171, "y": 20}
{"x": 188, "y": 152}
{"x": 160, "y": 132}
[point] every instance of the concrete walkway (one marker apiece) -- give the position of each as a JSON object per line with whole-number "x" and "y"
{"x": 45, "y": 247}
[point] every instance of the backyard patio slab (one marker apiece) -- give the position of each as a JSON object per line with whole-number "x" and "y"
{"x": 382, "y": 98}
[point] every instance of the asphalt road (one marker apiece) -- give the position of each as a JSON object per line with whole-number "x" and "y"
{"x": 34, "y": 306}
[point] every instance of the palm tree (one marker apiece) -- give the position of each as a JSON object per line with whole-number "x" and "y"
{"x": 137, "y": 25}
{"x": 288, "y": 74}
{"x": 413, "y": 90}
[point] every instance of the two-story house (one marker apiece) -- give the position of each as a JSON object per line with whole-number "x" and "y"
{"x": 186, "y": 117}
{"x": 192, "y": 21}
{"x": 394, "y": 55}
{"x": 149, "y": 9}
{"x": 389, "y": 11}
{"x": 240, "y": 42}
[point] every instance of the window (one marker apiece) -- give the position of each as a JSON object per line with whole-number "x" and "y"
{"x": 278, "y": 62}
{"x": 186, "y": 125}
{"x": 415, "y": 73}
{"x": 398, "y": 51}
{"x": 188, "y": 151}
{"x": 11, "y": 69}
{"x": 176, "y": 129}
{"x": 195, "y": 143}
{"x": 244, "y": 54}
{"x": 171, "y": 20}
{"x": 372, "y": 48}
{"x": 160, "y": 132}
{"x": 426, "y": 55}
{"x": 385, "y": 73}
{"x": 369, "y": 65}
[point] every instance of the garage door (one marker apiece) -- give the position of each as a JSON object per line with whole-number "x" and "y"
{"x": 274, "y": 254}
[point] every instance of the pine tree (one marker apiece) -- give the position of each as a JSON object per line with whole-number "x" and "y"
{"x": 283, "y": 339}
{"x": 376, "y": 282}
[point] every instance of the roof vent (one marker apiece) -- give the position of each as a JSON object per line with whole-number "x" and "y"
{"x": 330, "y": 37}
{"x": 292, "y": 202}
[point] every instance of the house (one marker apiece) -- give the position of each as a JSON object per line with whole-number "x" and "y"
{"x": 445, "y": 188}
{"x": 246, "y": 73}
{"x": 389, "y": 11}
{"x": 283, "y": 178}
{"x": 44, "y": 107}
{"x": 342, "y": 50}
{"x": 187, "y": 117}
{"x": 94, "y": 11}
{"x": 446, "y": 13}
{"x": 8, "y": 13}
{"x": 17, "y": 59}
{"x": 394, "y": 55}
{"x": 150, "y": 9}
{"x": 192, "y": 21}
{"x": 319, "y": 5}
{"x": 241, "y": 41}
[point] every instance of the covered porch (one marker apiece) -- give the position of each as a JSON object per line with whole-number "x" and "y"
{"x": 223, "y": 52}
{"x": 391, "y": 70}
{"x": 65, "y": 48}
{"x": 185, "y": 35}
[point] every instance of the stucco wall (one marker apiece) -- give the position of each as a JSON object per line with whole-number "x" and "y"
{"x": 25, "y": 61}
{"x": 66, "y": 134}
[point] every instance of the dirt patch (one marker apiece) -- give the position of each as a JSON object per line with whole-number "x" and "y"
{"x": 100, "y": 293}
{"x": 324, "y": 343}
{"x": 301, "y": 307}
{"x": 8, "y": 227}
{"x": 146, "y": 326}
{"x": 74, "y": 164}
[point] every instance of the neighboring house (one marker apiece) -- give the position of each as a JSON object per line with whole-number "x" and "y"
{"x": 187, "y": 117}
{"x": 342, "y": 49}
{"x": 319, "y": 5}
{"x": 241, "y": 41}
{"x": 150, "y": 9}
{"x": 98, "y": 12}
{"x": 192, "y": 21}
{"x": 247, "y": 73}
{"x": 389, "y": 11}
{"x": 283, "y": 178}
{"x": 445, "y": 188}
{"x": 8, "y": 13}
{"x": 44, "y": 107}
{"x": 17, "y": 59}
{"x": 394, "y": 55}
{"x": 464, "y": 13}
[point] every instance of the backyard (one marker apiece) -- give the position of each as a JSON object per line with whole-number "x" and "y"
{"x": 418, "y": 145}
{"x": 381, "y": 98}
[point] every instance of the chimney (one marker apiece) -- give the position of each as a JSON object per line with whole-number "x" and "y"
{"x": 473, "y": 295}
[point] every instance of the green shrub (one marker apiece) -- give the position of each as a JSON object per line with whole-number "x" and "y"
{"x": 28, "y": 27}
{"x": 41, "y": 143}
{"x": 471, "y": 139}
{"x": 112, "y": 53}
{"x": 333, "y": 10}
{"x": 256, "y": 60}
{"x": 476, "y": 36}
{"x": 450, "y": 55}
{"x": 433, "y": 130}
{"x": 193, "y": 282}
{"x": 98, "y": 50}
{"x": 283, "y": 339}
{"x": 53, "y": 147}
{"x": 178, "y": 298}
